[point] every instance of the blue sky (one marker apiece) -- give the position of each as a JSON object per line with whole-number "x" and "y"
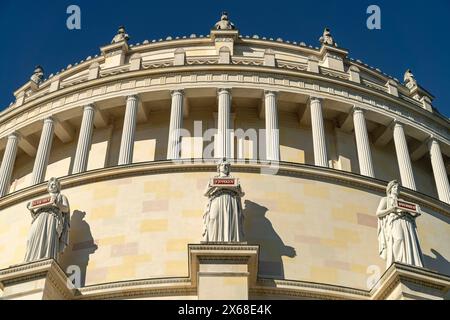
{"x": 413, "y": 35}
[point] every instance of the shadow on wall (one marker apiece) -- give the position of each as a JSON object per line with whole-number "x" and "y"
{"x": 259, "y": 230}
{"x": 81, "y": 244}
{"x": 437, "y": 263}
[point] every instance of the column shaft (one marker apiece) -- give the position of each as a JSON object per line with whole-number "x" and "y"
{"x": 403, "y": 158}
{"x": 363, "y": 144}
{"x": 8, "y": 161}
{"x": 272, "y": 129}
{"x": 129, "y": 130}
{"x": 43, "y": 152}
{"x": 223, "y": 130}
{"x": 318, "y": 131}
{"x": 440, "y": 174}
{"x": 176, "y": 123}
{"x": 84, "y": 140}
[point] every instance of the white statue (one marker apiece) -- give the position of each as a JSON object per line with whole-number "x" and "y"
{"x": 409, "y": 79}
{"x": 49, "y": 233}
{"x": 38, "y": 75}
{"x": 224, "y": 23}
{"x": 397, "y": 235}
{"x": 120, "y": 36}
{"x": 327, "y": 38}
{"x": 223, "y": 219}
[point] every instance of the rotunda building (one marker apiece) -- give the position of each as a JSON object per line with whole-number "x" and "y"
{"x": 135, "y": 133}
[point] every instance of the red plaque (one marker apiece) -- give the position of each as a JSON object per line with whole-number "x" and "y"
{"x": 408, "y": 206}
{"x": 224, "y": 182}
{"x": 43, "y": 202}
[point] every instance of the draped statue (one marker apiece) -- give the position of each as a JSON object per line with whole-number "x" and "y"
{"x": 223, "y": 219}
{"x": 49, "y": 233}
{"x": 397, "y": 235}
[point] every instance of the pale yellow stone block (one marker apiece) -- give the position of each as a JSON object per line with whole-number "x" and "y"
{"x": 317, "y": 191}
{"x": 235, "y": 281}
{"x": 110, "y": 241}
{"x": 178, "y": 244}
{"x": 348, "y": 235}
{"x": 106, "y": 193}
{"x": 323, "y": 275}
{"x": 359, "y": 268}
{"x": 102, "y": 212}
{"x": 290, "y": 154}
{"x": 176, "y": 268}
{"x": 192, "y": 213}
{"x": 134, "y": 260}
{"x": 344, "y": 214}
{"x": 121, "y": 272}
{"x": 154, "y": 225}
{"x": 336, "y": 243}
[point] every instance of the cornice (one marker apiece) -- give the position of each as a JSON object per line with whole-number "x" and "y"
{"x": 284, "y": 169}
{"x": 410, "y": 108}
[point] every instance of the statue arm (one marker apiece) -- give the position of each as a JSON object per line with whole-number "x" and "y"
{"x": 382, "y": 210}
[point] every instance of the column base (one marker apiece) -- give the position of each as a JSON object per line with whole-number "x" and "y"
{"x": 223, "y": 271}
{"x": 405, "y": 282}
{"x": 40, "y": 280}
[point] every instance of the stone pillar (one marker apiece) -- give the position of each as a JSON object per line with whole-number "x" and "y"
{"x": 129, "y": 130}
{"x": 8, "y": 161}
{"x": 84, "y": 140}
{"x": 176, "y": 123}
{"x": 272, "y": 130}
{"x": 440, "y": 174}
{"x": 363, "y": 143}
{"x": 223, "y": 130}
{"x": 43, "y": 152}
{"x": 318, "y": 132}
{"x": 403, "y": 158}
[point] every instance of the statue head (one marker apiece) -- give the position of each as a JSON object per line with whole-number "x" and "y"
{"x": 224, "y": 168}
{"x": 53, "y": 186}
{"x": 224, "y": 16}
{"x": 121, "y": 30}
{"x": 392, "y": 188}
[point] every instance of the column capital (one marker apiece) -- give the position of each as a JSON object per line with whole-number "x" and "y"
{"x": 357, "y": 109}
{"x": 397, "y": 123}
{"x": 134, "y": 97}
{"x": 270, "y": 93}
{"x": 224, "y": 90}
{"x": 89, "y": 106}
{"x": 14, "y": 135}
{"x": 315, "y": 99}
{"x": 430, "y": 140}
{"x": 177, "y": 92}
{"x": 49, "y": 120}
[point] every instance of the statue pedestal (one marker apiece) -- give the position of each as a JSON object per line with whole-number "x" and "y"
{"x": 405, "y": 282}
{"x": 223, "y": 271}
{"x": 40, "y": 280}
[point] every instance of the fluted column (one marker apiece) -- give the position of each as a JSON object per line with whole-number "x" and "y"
{"x": 272, "y": 130}
{"x": 223, "y": 130}
{"x": 176, "y": 123}
{"x": 403, "y": 158}
{"x": 318, "y": 131}
{"x": 84, "y": 140}
{"x": 362, "y": 143}
{"x": 43, "y": 152}
{"x": 129, "y": 130}
{"x": 440, "y": 174}
{"x": 9, "y": 158}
